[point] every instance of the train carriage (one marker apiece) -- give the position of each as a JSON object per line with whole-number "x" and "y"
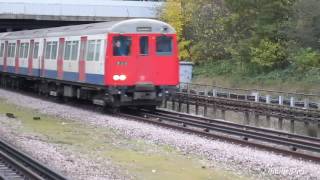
{"x": 122, "y": 63}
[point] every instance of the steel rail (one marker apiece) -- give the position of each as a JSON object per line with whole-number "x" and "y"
{"x": 243, "y": 133}
{"x": 231, "y": 124}
{"x": 26, "y": 166}
{"x": 270, "y": 143}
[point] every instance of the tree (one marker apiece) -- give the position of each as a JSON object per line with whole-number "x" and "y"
{"x": 172, "y": 13}
{"x": 256, "y": 28}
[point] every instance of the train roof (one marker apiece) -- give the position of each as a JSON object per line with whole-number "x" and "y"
{"x": 124, "y": 26}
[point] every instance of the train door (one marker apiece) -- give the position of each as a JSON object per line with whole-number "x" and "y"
{"x": 16, "y": 59}
{"x": 60, "y": 64}
{"x": 165, "y": 59}
{"x": 82, "y": 63}
{"x": 2, "y": 50}
{"x": 23, "y": 57}
{"x": 42, "y": 57}
{"x": 95, "y": 59}
{"x": 30, "y": 57}
{"x": 35, "y": 66}
{"x": 5, "y": 58}
{"x": 122, "y": 52}
{"x": 145, "y": 64}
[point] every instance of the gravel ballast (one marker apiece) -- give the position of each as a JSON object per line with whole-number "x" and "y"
{"x": 232, "y": 157}
{"x": 69, "y": 163}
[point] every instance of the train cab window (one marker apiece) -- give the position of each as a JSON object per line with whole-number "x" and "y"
{"x": 51, "y": 50}
{"x": 24, "y": 50}
{"x": 11, "y": 50}
{"x": 71, "y": 50}
{"x": 36, "y": 50}
{"x": 93, "y": 50}
{"x": 122, "y": 46}
{"x": 164, "y": 45}
{"x": 1, "y": 50}
{"x": 144, "y": 45}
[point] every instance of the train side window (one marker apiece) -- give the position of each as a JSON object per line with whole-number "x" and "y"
{"x": 74, "y": 50}
{"x": 71, "y": 50}
{"x": 26, "y": 50}
{"x": 121, "y": 46}
{"x": 51, "y": 50}
{"x": 97, "y": 50}
{"x": 23, "y": 51}
{"x": 48, "y": 49}
{"x": 35, "y": 50}
{"x": 144, "y": 45}
{"x": 54, "y": 50}
{"x": 67, "y": 50}
{"x": 1, "y": 49}
{"x": 11, "y": 49}
{"x": 164, "y": 45}
{"x": 90, "y": 50}
{"x": 93, "y": 50}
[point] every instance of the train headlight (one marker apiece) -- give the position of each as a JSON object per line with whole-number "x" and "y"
{"x": 116, "y": 77}
{"x": 122, "y": 77}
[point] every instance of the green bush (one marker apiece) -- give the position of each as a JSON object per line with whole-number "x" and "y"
{"x": 268, "y": 54}
{"x": 307, "y": 58}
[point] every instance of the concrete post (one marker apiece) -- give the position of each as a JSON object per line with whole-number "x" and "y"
{"x": 280, "y": 100}
{"x": 280, "y": 123}
{"x": 256, "y": 96}
{"x": 205, "y": 109}
{"x": 214, "y": 111}
{"x": 246, "y": 118}
{"x": 256, "y": 118}
{"x": 180, "y": 104}
{"x": 306, "y": 103}
{"x": 223, "y": 114}
{"x": 292, "y": 102}
{"x": 173, "y": 104}
{"x": 268, "y": 121}
{"x": 197, "y": 108}
{"x": 214, "y": 93}
{"x": 268, "y": 99}
{"x": 292, "y": 126}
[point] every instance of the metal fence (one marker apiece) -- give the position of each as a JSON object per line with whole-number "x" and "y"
{"x": 257, "y": 95}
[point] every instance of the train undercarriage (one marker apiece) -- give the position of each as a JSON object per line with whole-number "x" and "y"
{"x": 141, "y": 95}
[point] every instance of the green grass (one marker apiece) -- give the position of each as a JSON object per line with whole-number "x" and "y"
{"x": 136, "y": 156}
{"x": 229, "y": 74}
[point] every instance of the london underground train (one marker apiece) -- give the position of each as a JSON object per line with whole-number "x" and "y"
{"x": 121, "y": 63}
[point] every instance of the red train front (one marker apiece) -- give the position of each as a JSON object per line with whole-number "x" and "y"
{"x": 142, "y": 62}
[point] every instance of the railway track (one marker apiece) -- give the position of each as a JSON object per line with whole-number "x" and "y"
{"x": 298, "y": 146}
{"x": 15, "y": 165}
{"x": 284, "y": 143}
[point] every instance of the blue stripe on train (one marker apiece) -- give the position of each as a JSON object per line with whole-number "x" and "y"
{"x": 24, "y": 71}
{"x": 73, "y": 76}
{"x": 11, "y": 69}
{"x": 51, "y": 74}
{"x": 95, "y": 78}
{"x": 36, "y": 72}
{"x": 70, "y": 76}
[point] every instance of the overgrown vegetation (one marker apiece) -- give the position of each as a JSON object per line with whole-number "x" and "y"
{"x": 277, "y": 39}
